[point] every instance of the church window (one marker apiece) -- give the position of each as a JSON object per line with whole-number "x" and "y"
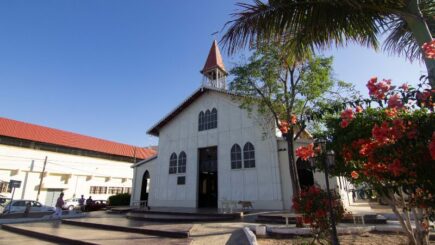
{"x": 201, "y": 121}
{"x": 182, "y": 162}
{"x": 173, "y": 163}
{"x": 236, "y": 157}
{"x": 213, "y": 118}
{"x": 207, "y": 119}
{"x": 249, "y": 156}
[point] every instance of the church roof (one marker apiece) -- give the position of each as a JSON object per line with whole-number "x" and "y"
{"x": 22, "y": 130}
{"x": 214, "y": 59}
{"x": 154, "y": 130}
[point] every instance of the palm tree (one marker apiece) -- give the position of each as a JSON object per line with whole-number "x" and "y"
{"x": 310, "y": 24}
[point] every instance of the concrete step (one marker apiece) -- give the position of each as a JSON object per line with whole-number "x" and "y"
{"x": 72, "y": 234}
{"x": 177, "y": 217}
{"x": 125, "y": 227}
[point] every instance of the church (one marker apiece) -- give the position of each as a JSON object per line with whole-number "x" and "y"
{"x": 211, "y": 151}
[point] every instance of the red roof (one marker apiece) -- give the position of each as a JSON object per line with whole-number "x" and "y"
{"x": 32, "y": 132}
{"x": 214, "y": 59}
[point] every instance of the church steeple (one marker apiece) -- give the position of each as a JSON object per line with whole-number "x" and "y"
{"x": 214, "y": 69}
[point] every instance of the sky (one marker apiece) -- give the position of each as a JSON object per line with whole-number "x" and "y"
{"x": 112, "y": 69}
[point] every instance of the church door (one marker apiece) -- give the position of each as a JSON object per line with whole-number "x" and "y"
{"x": 145, "y": 186}
{"x": 207, "y": 178}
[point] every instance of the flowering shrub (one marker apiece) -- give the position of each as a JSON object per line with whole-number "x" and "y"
{"x": 391, "y": 147}
{"x": 313, "y": 204}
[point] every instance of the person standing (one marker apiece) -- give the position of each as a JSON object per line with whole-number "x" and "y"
{"x": 82, "y": 203}
{"x": 89, "y": 202}
{"x": 59, "y": 205}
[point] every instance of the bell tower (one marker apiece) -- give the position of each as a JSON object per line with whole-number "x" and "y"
{"x": 214, "y": 73}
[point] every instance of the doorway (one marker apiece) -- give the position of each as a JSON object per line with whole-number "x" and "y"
{"x": 207, "y": 177}
{"x": 145, "y": 190}
{"x": 305, "y": 173}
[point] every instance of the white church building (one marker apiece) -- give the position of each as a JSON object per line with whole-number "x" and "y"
{"x": 211, "y": 151}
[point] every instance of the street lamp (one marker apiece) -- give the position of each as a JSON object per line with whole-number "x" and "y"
{"x": 328, "y": 160}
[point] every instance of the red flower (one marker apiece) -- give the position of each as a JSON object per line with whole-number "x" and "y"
{"x": 344, "y": 123}
{"x": 378, "y": 89}
{"x": 429, "y": 49}
{"x": 359, "y": 109}
{"x": 320, "y": 213}
{"x": 405, "y": 87}
{"x": 283, "y": 127}
{"x": 395, "y": 101}
{"x": 354, "y": 175}
{"x": 391, "y": 112}
{"x": 305, "y": 152}
{"x": 396, "y": 168}
{"x": 347, "y": 114}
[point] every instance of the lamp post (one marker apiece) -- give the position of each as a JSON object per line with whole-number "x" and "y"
{"x": 328, "y": 160}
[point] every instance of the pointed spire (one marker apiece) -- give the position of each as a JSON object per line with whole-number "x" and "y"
{"x": 214, "y": 59}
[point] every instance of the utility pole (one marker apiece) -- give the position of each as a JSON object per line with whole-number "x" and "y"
{"x": 42, "y": 177}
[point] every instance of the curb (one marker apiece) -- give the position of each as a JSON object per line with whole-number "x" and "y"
{"x": 41, "y": 219}
{"x": 171, "y": 234}
{"x": 46, "y": 237}
{"x": 252, "y": 239}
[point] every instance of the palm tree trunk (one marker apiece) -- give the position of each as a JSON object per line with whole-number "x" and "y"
{"x": 421, "y": 32}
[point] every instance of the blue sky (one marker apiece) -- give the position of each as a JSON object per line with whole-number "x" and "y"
{"x": 111, "y": 69}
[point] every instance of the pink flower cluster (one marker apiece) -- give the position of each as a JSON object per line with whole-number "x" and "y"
{"x": 378, "y": 89}
{"x": 429, "y": 49}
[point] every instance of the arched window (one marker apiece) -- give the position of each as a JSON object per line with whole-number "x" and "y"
{"x": 173, "y": 163}
{"x": 182, "y": 162}
{"x": 207, "y": 120}
{"x": 201, "y": 121}
{"x": 213, "y": 118}
{"x": 236, "y": 157}
{"x": 249, "y": 155}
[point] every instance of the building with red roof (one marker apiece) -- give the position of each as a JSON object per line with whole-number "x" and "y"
{"x": 66, "y": 162}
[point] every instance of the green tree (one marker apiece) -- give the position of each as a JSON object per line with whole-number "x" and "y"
{"x": 310, "y": 24}
{"x": 287, "y": 91}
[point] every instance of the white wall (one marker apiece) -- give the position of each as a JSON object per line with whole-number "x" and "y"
{"x": 75, "y": 174}
{"x": 139, "y": 172}
{"x": 261, "y": 185}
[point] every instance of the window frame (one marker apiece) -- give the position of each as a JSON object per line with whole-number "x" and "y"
{"x": 236, "y": 157}
{"x": 201, "y": 121}
{"x": 248, "y": 155}
{"x": 173, "y": 163}
{"x": 182, "y": 162}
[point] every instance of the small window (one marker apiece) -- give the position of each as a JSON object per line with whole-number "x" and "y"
{"x": 213, "y": 118}
{"x": 182, "y": 162}
{"x": 173, "y": 163}
{"x": 201, "y": 121}
{"x": 115, "y": 190}
{"x": 249, "y": 156}
{"x": 4, "y": 187}
{"x": 207, "y": 121}
{"x": 181, "y": 180}
{"x": 98, "y": 190}
{"x": 236, "y": 157}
